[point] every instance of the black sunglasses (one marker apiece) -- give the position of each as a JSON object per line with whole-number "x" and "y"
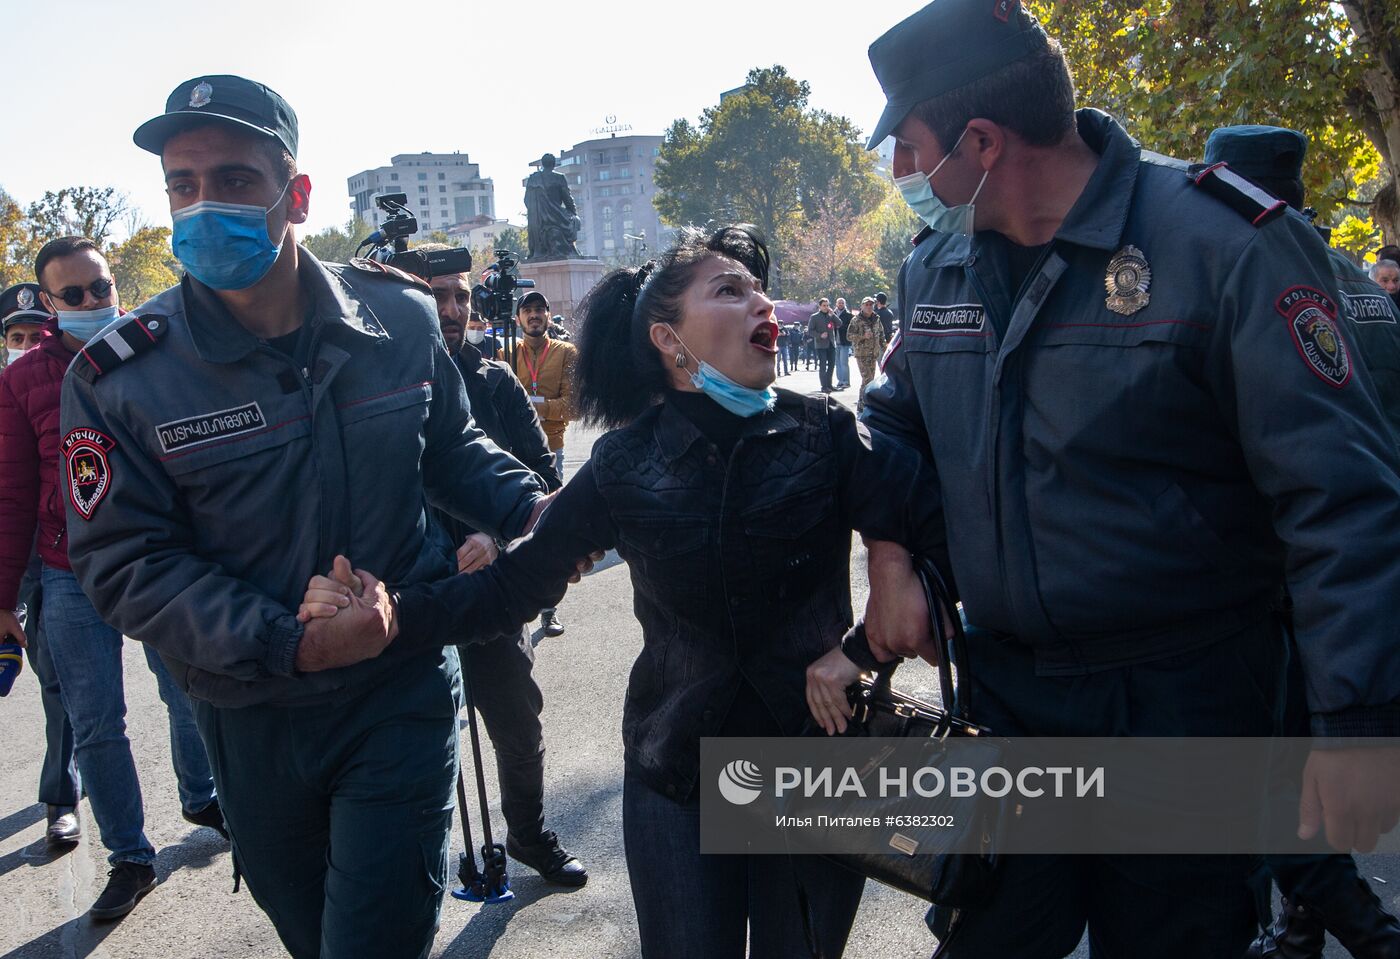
{"x": 73, "y": 295}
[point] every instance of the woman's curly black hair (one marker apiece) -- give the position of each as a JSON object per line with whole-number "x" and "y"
{"x": 618, "y": 373}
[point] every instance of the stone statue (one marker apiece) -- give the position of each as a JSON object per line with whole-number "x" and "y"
{"x": 553, "y": 221}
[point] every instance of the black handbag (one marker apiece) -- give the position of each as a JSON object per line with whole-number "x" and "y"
{"x": 948, "y": 879}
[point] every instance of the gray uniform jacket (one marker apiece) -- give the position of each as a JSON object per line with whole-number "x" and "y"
{"x": 209, "y": 477}
{"x": 1122, "y": 487}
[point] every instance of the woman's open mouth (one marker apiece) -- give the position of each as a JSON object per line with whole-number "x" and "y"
{"x": 765, "y": 338}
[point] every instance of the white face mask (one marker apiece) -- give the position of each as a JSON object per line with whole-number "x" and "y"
{"x": 476, "y": 337}
{"x": 12, "y": 354}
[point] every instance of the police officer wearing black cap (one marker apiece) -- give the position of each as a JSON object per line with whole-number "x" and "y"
{"x": 1320, "y": 893}
{"x": 229, "y": 439}
{"x": 1272, "y": 158}
{"x": 22, "y": 321}
{"x": 1147, "y": 418}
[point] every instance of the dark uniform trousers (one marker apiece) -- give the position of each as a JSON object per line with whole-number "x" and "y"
{"x": 500, "y": 684}
{"x": 353, "y": 806}
{"x": 1134, "y": 906}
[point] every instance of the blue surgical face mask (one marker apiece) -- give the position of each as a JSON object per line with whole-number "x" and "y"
{"x": 917, "y": 191}
{"x": 85, "y": 324}
{"x": 225, "y": 246}
{"x": 738, "y": 399}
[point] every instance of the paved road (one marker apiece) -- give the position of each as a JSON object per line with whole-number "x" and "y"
{"x": 195, "y": 915}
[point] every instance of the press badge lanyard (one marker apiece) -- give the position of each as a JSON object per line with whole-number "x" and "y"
{"x": 534, "y": 368}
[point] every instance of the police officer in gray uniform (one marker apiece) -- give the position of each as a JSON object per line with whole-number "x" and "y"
{"x": 1320, "y": 893}
{"x": 1146, "y": 417}
{"x": 228, "y": 440}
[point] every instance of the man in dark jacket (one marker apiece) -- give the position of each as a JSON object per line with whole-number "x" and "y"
{"x": 498, "y": 673}
{"x": 85, "y": 653}
{"x": 843, "y": 345}
{"x": 821, "y": 327}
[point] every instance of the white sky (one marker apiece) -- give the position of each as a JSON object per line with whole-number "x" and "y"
{"x": 83, "y": 74}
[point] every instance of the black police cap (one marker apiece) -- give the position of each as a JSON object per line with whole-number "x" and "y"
{"x": 946, "y": 45}
{"x": 20, "y": 304}
{"x": 1259, "y": 152}
{"x": 225, "y": 98}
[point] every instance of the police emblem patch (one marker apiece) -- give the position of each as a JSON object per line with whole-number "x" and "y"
{"x": 1312, "y": 320}
{"x": 89, "y": 472}
{"x": 201, "y": 94}
{"x": 1001, "y": 9}
{"x": 25, "y": 298}
{"x": 1127, "y": 281}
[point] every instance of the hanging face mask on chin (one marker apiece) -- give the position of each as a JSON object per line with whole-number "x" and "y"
{"x": 917, "y": 190}
{"x": 225, "y": 246}
{"x": 85, "y": 324}
{"x": 738, "y": 399}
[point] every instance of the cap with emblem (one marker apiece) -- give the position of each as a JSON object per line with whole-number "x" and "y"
{"x": 228, "y": 99}
{"x": 946, "y": 45}
{"x": 20, "y": 304}
{"x": 530, "y": 299}
{"x": 1270, "y": 156}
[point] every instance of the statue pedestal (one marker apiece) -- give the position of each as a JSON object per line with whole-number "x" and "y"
{"x": 563, "y": 282}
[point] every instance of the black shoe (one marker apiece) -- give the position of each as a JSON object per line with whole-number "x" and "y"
{"x": 549, "y": 859}
{"x": 126, "y": 884}
{"x": 550, "y": 625}
{"x": 1355, "y": 916}
{"x": 1297, "y": 933}
{"x": 65, "y": 827}
{"x": 211, "y": 815}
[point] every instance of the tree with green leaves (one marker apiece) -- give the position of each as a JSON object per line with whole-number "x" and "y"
{"x": 1174, "y": 70}
{"x": 763, "y": 156}
{"x": 143, "y": 264}
{"x": 337, "y": 244}
{"x": 77, "y": 211}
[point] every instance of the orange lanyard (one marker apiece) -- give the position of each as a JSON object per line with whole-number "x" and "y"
{"x": 534, "y": 368}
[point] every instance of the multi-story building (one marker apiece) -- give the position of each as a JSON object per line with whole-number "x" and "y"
{"x": 443, "y": 189}
{"x": 611, "y": 179}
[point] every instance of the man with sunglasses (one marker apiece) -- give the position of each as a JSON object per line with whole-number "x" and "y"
{"x": 241, "y": 432}
{"x": 75, "y": 284}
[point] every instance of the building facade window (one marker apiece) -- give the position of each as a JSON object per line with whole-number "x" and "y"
{"x": 422, "y": 176}
{"x": 605, "y": 174}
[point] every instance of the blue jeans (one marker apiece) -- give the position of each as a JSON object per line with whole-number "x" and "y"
{"x": 59, "y": 782}
{"x": 559, "y": 463}
{"x": 843, "y": 366}
{"x": 691, "y": 906}
{"x": 87, "y": 658}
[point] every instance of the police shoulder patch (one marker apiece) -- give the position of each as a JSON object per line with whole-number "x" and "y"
{"x": 128, "y": 337}
{"x": 1312, "y": 322}
{"x": 375, "y": 268}
{"x": 1368, "y": 308}
{"x": 89, "y": 471}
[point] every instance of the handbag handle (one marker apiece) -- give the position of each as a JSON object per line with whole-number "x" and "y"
{"x": 951, "y": 650}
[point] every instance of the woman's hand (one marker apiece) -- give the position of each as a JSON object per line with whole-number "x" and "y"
{"x": 827, "y": 679}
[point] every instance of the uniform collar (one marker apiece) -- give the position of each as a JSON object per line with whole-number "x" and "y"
{"x": 675, "y": 433}
{"x": 219, "y": 338}
{"x": 1099, "y": 215}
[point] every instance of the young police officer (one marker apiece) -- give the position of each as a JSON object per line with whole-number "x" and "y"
{"x": 223, "y": 444}
{"x": 1146, "y": 419}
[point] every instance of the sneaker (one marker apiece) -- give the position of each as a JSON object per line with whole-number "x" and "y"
{"x": 550, "y": 624}
{"x": 126, "y": 884}
{"x": 211, "y": 815}
{"x": 65, "y": 827}
{"x": 549, "y": 859}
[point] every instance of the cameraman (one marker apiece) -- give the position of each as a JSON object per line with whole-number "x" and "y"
{"x": 510, "y": 701}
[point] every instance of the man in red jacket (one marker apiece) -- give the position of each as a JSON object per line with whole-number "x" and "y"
{"x": 76, "y": 287}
